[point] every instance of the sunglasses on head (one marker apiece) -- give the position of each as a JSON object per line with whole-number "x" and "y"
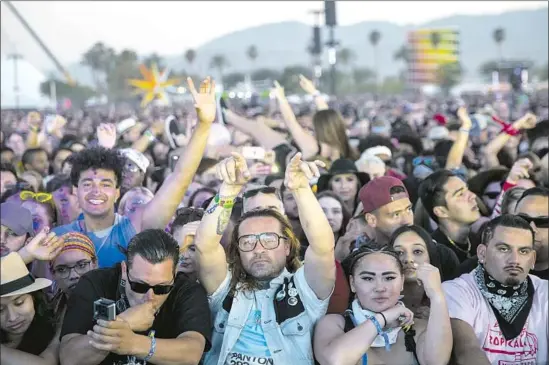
{"x": 142, "y": 288}
{"x": 540, "y": 222}
{"x": 427, "y": 161}
{"x": 39, "y": 197}
{"x": 491, "y": 194}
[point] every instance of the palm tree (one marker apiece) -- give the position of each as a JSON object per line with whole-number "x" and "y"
{"x": 251, "y": 52}
{"x": 375, "y": 37}
{"x": 219, "y": 62}
{"x": 96, "y": 58}
{"x": 346, "y": 56}
{"x": 499, "y": 37}
{"x": 154, "y": 58}
{"x": 190, "y": 56}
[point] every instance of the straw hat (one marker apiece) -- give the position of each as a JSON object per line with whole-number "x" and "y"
{"x": 15, "y": 278}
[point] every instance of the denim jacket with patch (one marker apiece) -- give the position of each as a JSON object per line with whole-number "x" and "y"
{"x": 289, "y": 342}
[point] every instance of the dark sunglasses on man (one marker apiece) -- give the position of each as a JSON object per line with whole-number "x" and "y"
{"x": 540, "y": 222}
{"x": 143, "y": 288}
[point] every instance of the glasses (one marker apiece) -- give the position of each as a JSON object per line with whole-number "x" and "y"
{"x": 427, "y": 161}
{"x": 39, "y": 197}
{"x": 63, "y": 271}
{"x": 491, "y": 194}
{"x": 142, "y": 288}
{"x": 263, "y": 190}
{"x": 268, "y": 240}
{"x": 540, "y": 222}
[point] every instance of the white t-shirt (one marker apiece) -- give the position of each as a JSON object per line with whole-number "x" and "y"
{"x": 466, "y": 302}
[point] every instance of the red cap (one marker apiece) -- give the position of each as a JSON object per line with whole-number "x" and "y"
{"x": 377, "y": 193}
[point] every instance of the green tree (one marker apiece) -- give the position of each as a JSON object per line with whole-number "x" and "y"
{"x": 448, "y": 76}
{"x": 252, "y": 53}
{"x": 219, "y": 62}
{"x": 154, "y": 58}
{"x": 77, "y": 94}
{"x": 346, "y": 57}
{"x": 374, "y": 38}
{"x": 499, "y": 37}
{"x": 402, "y": 54}
{"x": 99, "y": 59}
{"x": 265, "y": 74}
{"x": 125, "y": 67}
{"x": 230, "y": 80}
{"x": 363, "y": 76}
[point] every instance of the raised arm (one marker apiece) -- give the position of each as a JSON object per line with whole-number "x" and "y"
{"x": 305, "y": 141}
{"x": 211, "y": 259}
{"x": 158, "y": 212}
{"x": 455, "y": 156}
{"x": 319, "y": 257}
{"x": 257, "y": 129}
{"x": 492, "y": 149}
{"x": 308, "y": 86}
{"x": 435, "y": 344}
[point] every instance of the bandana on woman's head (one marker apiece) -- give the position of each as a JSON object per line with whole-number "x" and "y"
{"x": 511, "y": 304}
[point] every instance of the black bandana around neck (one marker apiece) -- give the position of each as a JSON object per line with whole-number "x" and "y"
{"x": 511, "y": 304}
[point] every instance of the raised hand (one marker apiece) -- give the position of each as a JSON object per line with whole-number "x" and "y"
{"x": 204, "y": 102}
{"x": 463, "y": 116}
{"x": 278, "y": 90}
{"x": 299, "y": 172}
{"x": 428, "y": 276}
{"x": 307, "y": 85}
{"x": 520, "y": 170}
{"x": 189, "y": 233}
{"x": 528, "y": 121}
{"x": 233, "y": 170}
{"x": 56, "y": 125}
{"x": 106, "y": 135}
{"x": 45, "y": 246}
{"x": 34, "y": 120}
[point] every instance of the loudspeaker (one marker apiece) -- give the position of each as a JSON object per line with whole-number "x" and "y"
{"x": 330, "y": 13}
{"x": 317, "y": 43}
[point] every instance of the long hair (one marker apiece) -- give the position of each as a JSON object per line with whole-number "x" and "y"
{"x": 330, "y": 129}
{"x": 42, "y": 328}
{"x": 240, "y": 277}
{"x": 344, "y": 210}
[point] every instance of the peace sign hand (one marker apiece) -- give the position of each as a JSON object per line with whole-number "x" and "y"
{"x": 204, "y": 102}
{"x": 233, "y": 170}
{"x": 299, "y": 173}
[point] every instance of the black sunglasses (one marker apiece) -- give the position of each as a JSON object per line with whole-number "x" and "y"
{"x": 491, "y": 194}
{"x": 262, "y": 190}
{"x": 142, "y": 288}
{"x": 540, "y": 222}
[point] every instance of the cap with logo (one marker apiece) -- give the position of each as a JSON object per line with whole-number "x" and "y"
{"x": 16, "y": 218}
{"x": 136, "y": 157}
{"x": 377, "y": 193}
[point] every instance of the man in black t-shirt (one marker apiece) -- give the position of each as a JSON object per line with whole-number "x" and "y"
{"x": 160, "y": 319}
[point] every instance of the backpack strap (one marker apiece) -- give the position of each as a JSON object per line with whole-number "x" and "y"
{"x": 349, "y": 323}
{"x": 410, "y": 342}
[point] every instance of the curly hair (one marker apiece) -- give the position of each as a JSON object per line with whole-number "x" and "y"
{"x": 239, "y": 274}
{"x": 97, "y": 158}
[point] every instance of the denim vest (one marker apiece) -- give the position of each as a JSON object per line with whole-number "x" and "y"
{"x": 289, "y": 342}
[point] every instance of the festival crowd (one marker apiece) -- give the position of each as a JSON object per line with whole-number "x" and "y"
{"x": 336, "y": 232}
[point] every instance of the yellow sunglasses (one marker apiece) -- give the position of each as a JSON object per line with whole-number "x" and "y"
{"x": 39, "y": 197}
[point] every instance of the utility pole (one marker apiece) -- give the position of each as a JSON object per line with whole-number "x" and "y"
{"x": 15, "y": 57}
{"x": 331, "y": 23}
{"x": 317, "y": 46}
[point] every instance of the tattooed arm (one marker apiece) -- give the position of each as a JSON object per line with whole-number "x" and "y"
{"x": 211, "y": 260}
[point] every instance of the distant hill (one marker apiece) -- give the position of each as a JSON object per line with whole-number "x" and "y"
{"x": 283, "y": 44}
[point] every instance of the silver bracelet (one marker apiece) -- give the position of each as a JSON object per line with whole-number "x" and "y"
{"x": 152, "y": 350}
{"x": 464, "y": 130}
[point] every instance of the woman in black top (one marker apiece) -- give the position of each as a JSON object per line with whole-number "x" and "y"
{"x": 29, "y": 334}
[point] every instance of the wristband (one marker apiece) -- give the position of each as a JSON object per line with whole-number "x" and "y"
{"x": 508, "y": 129}
{"x": 384, "y": 319}
{"x": 381, "y": 332}
{"x": 152, "y": 350}
{"x": 150, "y": 134}
{"x": 463, "y": 130}
{"x": 226, "y": 203}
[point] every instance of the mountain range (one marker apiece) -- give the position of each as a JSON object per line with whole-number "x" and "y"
{"x": 284, "y": 44}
